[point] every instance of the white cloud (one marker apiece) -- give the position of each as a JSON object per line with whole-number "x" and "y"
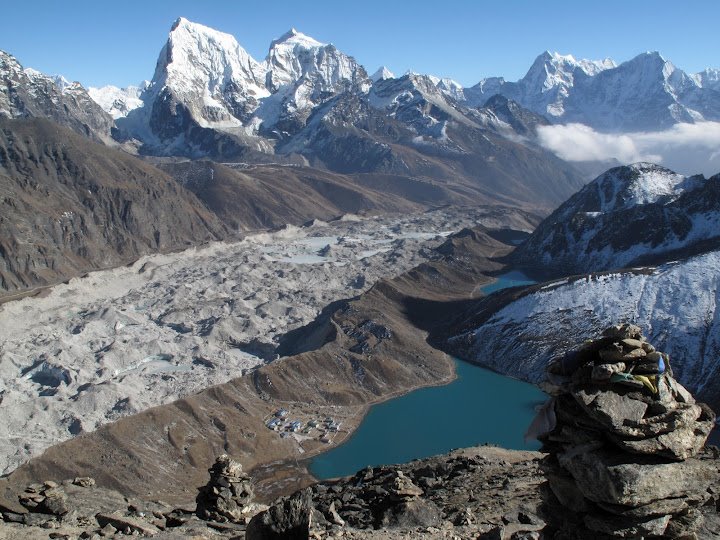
{"x": 685, "y": 148}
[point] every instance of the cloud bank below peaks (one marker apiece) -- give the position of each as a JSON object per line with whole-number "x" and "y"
{"x": 684, "y": 148}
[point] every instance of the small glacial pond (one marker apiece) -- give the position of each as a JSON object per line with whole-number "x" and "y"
{"x": 480, "y": 406}
{"x": 514, "y": 278}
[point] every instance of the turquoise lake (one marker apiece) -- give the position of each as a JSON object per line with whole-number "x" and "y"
{"x": 479, "y": 407}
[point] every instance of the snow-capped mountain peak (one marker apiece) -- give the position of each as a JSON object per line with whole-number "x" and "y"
{"x": 61, "y": 82}
{"x": 294, "y": 56}
{"x": 294, "y": 38}
{"x": 118, "y": 102}
{"x": 550, "y": 80}
{"x": 639, "y": 184}
{"x": 568, "y": 61}
{"x": 552, "y": 69}
{"x": 382, "y": 74}
{"x": 204, "y": 56}
{"x": 644, "y": 93}
{"x": 58, "y": 80}
{"x": 26, "y": 92}
{"x": 209, "y": 73}
{"x": 448, "y": 86}
{"x": 709, "y": 78}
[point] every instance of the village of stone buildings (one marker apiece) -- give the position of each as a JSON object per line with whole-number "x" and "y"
{"x": 323, "y": 429}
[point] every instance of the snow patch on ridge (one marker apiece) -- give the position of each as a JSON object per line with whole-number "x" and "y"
{"x": 649, "y": 184}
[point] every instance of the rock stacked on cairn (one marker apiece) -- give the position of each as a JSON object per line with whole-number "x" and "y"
{"x": 624, "y": 439}
{"x": 228, "y": 494}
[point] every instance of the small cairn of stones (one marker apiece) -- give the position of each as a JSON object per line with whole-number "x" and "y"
{"x": 46, "y": 498}
{"x": 228, "y": 495}
{"x": 625, "y": 440}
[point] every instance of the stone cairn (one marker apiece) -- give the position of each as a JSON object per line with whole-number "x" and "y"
{"x": 625, "y": 441}
{"x": 47, "y": 498}
{"x": 228, "y": 494}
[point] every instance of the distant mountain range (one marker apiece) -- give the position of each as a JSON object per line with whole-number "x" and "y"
{"x": 221, "y": 86}
{"x": 645, "y": 93}
{"x": 307, "y": 102}
{"x": 310, "y": 118}
{"x": 305, "y": 137}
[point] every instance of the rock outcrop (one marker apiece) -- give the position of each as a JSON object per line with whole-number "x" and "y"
{"x": 625, "y": 440}
{"x": 465, "y": 494}
{"x": 287, "y": 519}
{"x": 475, "y": 493}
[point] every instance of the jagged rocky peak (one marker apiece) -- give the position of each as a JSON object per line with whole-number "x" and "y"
{"x": 523, "y": 121}
{"x": 551, "y": 69}
{"x": 449, "y": 87}
{"x": 409, "y": 82}
{"x": 551, "y": 77}
{"x": 417, "y": 101}
{"x": 203, "y": 79}
{"x": 590, "y": 67}
{"x": 118, "y": 102}
{"x": 545, "y": 87}
{"x": 295, "y": 56}
{"x": 708, "y": 78}
{"x": 627, "y": 188}
{"x": 648, "y": 93}
{"x": 61, "y": 82}
{"x": 650, "y": 68}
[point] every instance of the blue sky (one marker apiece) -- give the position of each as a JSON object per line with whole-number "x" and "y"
{"x": 117, "y": 43}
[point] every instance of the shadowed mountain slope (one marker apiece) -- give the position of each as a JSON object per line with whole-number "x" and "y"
{"x": 70, "y": 205}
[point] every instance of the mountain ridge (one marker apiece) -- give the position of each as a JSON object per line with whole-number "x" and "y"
{"x": 271, "y": 100}
{"x": 629, "y": 215}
